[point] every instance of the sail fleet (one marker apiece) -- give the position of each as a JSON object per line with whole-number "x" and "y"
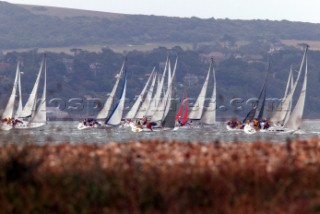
{"x": 155, "y": 108}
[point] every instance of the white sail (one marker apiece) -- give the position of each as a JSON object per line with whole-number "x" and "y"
{"x": 29, "y": 108}
{"x": 105, "y": 111}
{"x": 19, "y": 109}
{"x": 40, "y": 116}
{"x": 289, "y": 83}
{"x": 134, "y": 109}
{"x": 160, "y": 110}
{"x": 170, "y": 84}
{"x": 209, "y": 115}
{"x": 164, "y": 106}
{"x": 147, "y": 101}
{"x": 288, "y": 88}
{"x": 295, "y": 120}
{"x": 156, "y": 99}
{"x": 8, "y": 111}
{"x": 279, "y": 116}
{"x": 197, "y": 109}
{"x": 116, "y": 115}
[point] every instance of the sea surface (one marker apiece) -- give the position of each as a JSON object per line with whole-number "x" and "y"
{"x": 67, "y": 132}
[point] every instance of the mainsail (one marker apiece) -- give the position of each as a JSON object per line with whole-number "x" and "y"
{"x": 209, "y": 115}
{"x": 261, "y": 100}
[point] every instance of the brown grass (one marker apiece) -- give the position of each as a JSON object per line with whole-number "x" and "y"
{"x": 161, "y": 177}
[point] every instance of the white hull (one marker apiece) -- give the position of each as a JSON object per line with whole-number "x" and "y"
{"x": 26, "y": 125}
{"x": 229, "y": 128}
{"x": 5, "y": 126}
{"x": 81, "y": 126}
{"x": 275, "y": 129}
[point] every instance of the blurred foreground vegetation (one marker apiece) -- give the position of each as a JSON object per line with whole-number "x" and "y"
{"x": 161, "y": 177}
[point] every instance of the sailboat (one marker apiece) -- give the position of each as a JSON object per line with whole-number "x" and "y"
{"x": 205, "y": 115}
{"x": 255, "y": 116}
{"x": 33, "y": 116}
{"x": 289, "y": 121}
{"x": 107, "y": 107}
{"x": 8, "y": 114}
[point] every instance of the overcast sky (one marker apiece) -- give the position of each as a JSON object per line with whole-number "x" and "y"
{"x": 292, "y": 10}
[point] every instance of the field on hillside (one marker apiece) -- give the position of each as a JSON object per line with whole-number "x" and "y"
{"x": 98, "y": 48}
{"x": 68, "y": 12}
{"x": 314, "y": 45}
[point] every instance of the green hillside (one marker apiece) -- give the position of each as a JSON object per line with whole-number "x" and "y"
{"x": 41, "y": 27}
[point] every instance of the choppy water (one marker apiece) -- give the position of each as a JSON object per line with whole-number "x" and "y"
{"x": 58, "y": 132}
